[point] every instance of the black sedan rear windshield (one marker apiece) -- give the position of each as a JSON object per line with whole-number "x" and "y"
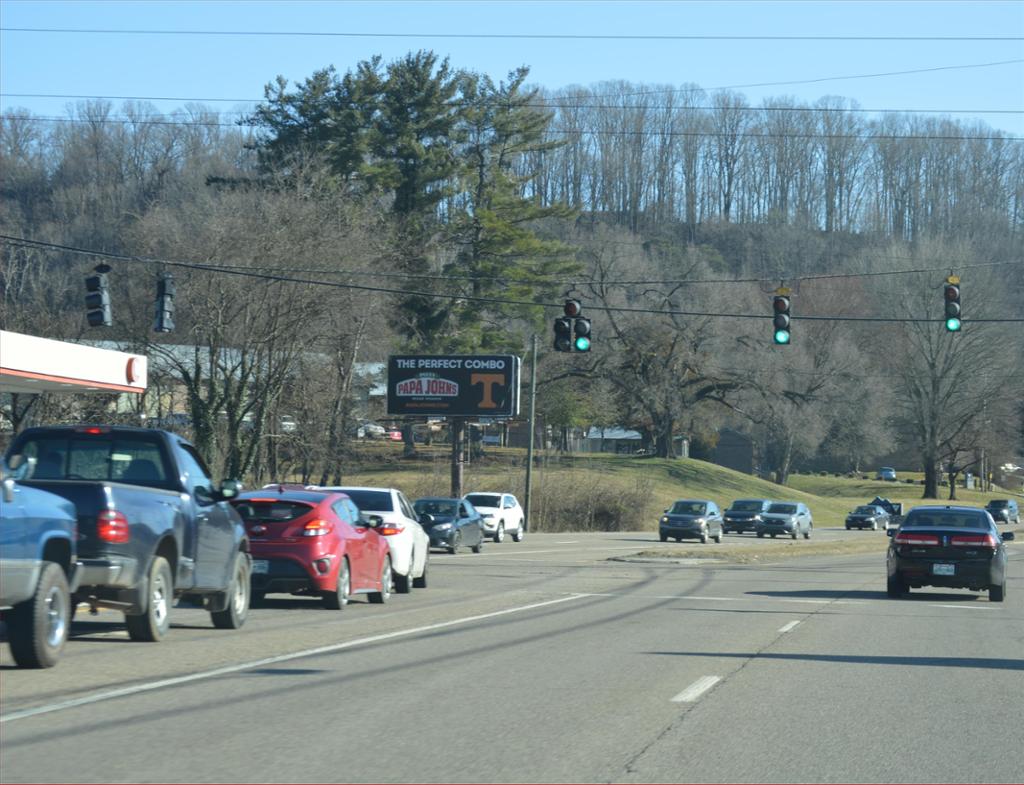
{"x": 370, "y": 501}
{"x": 946, "y": 519}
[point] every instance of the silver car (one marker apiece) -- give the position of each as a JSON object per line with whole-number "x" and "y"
{"x": 791, "y": 518}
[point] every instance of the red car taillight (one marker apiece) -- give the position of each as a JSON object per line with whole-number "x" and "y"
{"x": 112, "y": 526}
{"x": 390, "y": 528}
{"x": 907, "y": 538}
{"x": 975, "y": 541}
{"x": 317, "y": 528}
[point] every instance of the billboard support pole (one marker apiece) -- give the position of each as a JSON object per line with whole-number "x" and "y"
{"x": 457, "y": 429}
{"x": 528, "y": 520}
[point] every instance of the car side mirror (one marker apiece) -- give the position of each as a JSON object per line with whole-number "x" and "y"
{"x": 890, "y": 532}
{"x": 375, "y": 521}
{"x": 426, "y": 517}
{"x": 8, "y": 490}
{"x": 1007, "y": 536}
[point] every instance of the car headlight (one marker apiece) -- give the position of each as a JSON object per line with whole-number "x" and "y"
{"x": 664, "y": 519}
{"x": 756, "y": 518}
{"x": 486, "y": 515}
{"x": 442, "y": 527}
{"x": 700, "y": 521}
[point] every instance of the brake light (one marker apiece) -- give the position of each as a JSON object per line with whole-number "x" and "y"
{"x": 92, "y": 430}
{"x": 907, "y": 538}
{"x": 390, "y": 528}
{"x": 112, "y": 526}
{"x": 317, "y": 528}
{"x": 975, "y": 541}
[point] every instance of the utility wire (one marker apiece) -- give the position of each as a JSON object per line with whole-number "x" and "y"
{"x": 463, "y": 297}
{"x": 517, "y": 36}
{"x": 536, "y": 104}
{"x": 754, "y": 134}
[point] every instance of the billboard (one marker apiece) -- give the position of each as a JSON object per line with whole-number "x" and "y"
{"x": 454, "y": 385}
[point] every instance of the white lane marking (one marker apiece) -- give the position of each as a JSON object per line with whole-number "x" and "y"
{"x": 695, "y": 690}
{"x": 964, "y": 607}
{"x": 228, "y": 669}
{"x": 788, "y": 627}
{"x": 565, "y": 542}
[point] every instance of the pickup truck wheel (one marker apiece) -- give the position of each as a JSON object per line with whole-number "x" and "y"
{"x": 386, "y": 580}
{"x": 233, "y": 616}
{"x": 152, "y": 624}
{"x": 338, "y": 599}
{"x": 38, "y": 627}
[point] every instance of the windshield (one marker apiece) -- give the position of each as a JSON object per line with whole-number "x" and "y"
{"x": 136, "y": 461}
{"x": 484, "y": 500}
{"x": 687, "y": 508}
{"x": 865, "y": 511}
{"x": 436, "y": 507}
{"x": 370, "y": 501}
{"x": 275, "y": 511}
{"x": 747, "y": 506}
{"x": 951, "y": 519}
{"x": 783, "y": 509}
{"x": 996, "y": 504}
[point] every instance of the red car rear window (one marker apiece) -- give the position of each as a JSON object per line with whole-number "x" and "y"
{"x": 271, "y": 511}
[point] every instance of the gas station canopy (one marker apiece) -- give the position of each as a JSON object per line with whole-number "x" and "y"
{"x": 32, "y": 365}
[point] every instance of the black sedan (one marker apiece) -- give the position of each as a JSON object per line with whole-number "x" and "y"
{"x": 695, "y": 519}
{"x": 868, "y": 516}
{"x": 450, "y": 523}
{"x": 954, "y": 547}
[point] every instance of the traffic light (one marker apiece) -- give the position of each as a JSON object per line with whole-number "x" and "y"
{"x": 581, "y": 334}
{"x": 164, "y": 321}
{"x": 97, "y": 298}
{"x": 563, "y": 335}
{"x": 951, "y": 294}
{"x": 572, "y": 331}
{"x": 780, "y": 323}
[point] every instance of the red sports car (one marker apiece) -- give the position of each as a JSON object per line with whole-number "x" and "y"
{"x": 313, "y": 543}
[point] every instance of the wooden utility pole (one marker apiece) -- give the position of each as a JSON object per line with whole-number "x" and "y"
{"x": 527, "y": 522}
{"x": 457, "y": 427}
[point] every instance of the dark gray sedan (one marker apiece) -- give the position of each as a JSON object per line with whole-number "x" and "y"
{"x": 868, "y": 516}
{"x": 693, "y": 519}
{"x": 450, "y": 523}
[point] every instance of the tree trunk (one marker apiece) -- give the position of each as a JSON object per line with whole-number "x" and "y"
{"x": 931, "y": 479}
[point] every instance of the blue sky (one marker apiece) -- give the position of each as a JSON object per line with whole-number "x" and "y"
{"x": 236, "y": 67}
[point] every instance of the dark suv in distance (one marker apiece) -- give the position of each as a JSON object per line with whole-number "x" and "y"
{"x": 1005, "y": 510}
{"x": 744, "y": 514}
{"x": 953, "y": 547}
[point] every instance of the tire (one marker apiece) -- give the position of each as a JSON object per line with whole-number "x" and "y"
{"x": 895, "y": 588}
{"x": 874, "y": 527}
{"x": 518, "y": 536}
{"x": 421, "y": 582}
{"x": 237, "y": 610}
{"x": 718, "y": 537}
{"x": 773, "y": 535}
{"x": 704, "y": 535}
{"x": 152, "y": 624}
{"x": 663, "y": 537}
{"x": 807, "y": 534}
{"x": 336, "y": 600}
{"x": 454, "y": 547}
{"x": 479, "y": 547}
{"x": 404, "y": 583}
{"x": 848, "y": 527}
{"x": 499, "y": 535}
{"x": 997, "y": 593}
{"x": 760, "y": 534}
{"x": 796, "y": 533}
{"x": 386, "y": 579}
{"x": 38, "y": 627}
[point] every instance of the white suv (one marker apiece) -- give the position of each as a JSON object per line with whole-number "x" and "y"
{"x": 501, "y": 513}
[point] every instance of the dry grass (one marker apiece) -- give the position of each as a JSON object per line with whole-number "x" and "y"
{"x": 778, "y": 551}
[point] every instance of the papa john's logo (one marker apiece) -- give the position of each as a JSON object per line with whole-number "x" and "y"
{"x": 427, "y": 384}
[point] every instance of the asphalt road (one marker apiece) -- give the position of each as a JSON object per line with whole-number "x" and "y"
{"x": 546, "y": 661}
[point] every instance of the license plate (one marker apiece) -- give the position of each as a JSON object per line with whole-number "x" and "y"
{"x": 260, "y": 566}
{"x": 943, "y": 569}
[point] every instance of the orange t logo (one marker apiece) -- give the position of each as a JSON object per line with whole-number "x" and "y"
{"x": 488, "y": 380}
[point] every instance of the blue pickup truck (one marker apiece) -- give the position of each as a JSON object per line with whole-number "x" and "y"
{"x": 152, "y": 526}
{"x": 37, "y": 567}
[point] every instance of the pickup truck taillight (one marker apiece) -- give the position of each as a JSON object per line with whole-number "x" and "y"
{"x": 112, "y": 526}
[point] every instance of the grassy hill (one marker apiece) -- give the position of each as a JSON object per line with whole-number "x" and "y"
{"x": 608, "y": 492}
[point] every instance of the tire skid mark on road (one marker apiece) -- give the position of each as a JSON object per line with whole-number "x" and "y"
{"x": 230, "y": 669}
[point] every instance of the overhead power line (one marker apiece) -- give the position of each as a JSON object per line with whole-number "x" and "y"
{"x": 539, "y": 104}
{"x": 439, "y": 296}
{"x": 754, "y": 134}
{"x": 517, "y": 36}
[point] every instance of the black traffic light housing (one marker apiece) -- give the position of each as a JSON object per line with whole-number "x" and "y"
{"x": 572, "y": 331}
{"x": 164, "y": 320}
{"x": 782, "y": 319}
{"x": 97, "y": 298}
{"x": 951, "y": 296}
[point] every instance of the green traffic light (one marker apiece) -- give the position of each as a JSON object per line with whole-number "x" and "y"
{"x": 582, "y": 344}
{"x": 782, "y": 336}
{"x": 953, "y": 324}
